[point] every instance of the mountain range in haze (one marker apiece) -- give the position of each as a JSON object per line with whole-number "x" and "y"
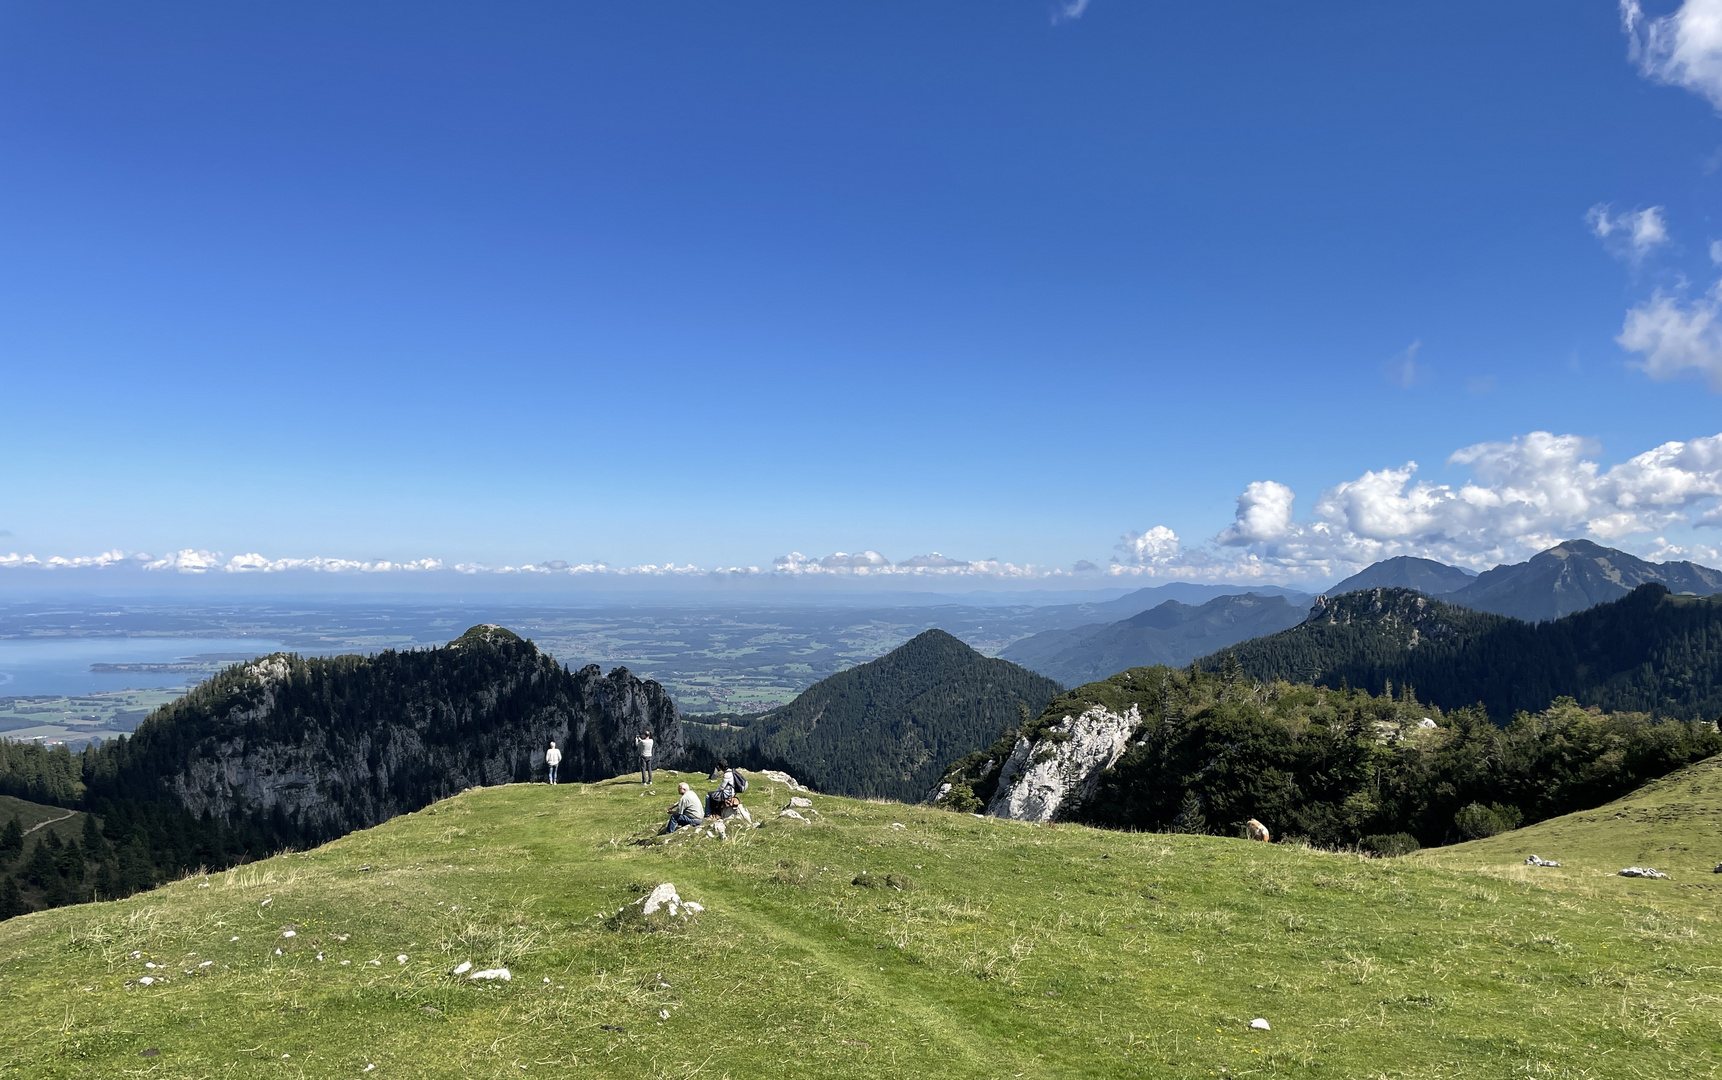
{"x": 1566, "y": 579}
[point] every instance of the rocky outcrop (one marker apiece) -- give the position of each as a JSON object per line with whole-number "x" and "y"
{"x": 313, "y": 748}
{"x": 1059, "y": 767}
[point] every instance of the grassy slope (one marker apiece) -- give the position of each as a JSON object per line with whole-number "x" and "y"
{"x": 1019, "y": 950}
{"x": 51, "y": 819}
{"x": 1673, "y": 824}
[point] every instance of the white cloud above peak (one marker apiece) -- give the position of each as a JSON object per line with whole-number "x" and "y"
{"x": 1264, "y": 513}
{"x": 1682, "y": 48}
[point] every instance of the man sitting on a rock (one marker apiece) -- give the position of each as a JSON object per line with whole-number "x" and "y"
{"x": 687, "y": 810}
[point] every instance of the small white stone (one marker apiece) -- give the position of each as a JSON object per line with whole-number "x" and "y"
{"x": 464, "y": 967}
{"x": 234, "y": 938}
{"x": 401, "y": 959}
{"x": 1260, "y": 1025}
{"x": 663, "y": 1014}
{"x": 267, "y": 901}
{"x": 492, "y": 973}
{"x": 898, "y": 825}
{"x": 147, "y": 981}
{"x": 277, "y": 952}
{"x": 147, "y": 964}
{"x": 290, "y": 933}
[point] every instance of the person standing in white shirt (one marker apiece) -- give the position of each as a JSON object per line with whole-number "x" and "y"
{"x": 644, "y": 742}
{"x": 552, "y": 758}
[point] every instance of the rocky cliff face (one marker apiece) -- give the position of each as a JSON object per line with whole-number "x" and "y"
{"x": 316, "y": 748}
{"x": 1060, "y": 767}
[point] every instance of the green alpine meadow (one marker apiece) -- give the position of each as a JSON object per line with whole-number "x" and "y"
{"x": 877, "y": 939}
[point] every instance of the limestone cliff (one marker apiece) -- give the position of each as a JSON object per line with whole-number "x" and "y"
{"x": 312, "y": 748}
{"x": 1059, "y": 767}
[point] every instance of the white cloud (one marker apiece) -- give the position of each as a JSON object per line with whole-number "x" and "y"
{"x": 1069, "y": 9}
{"x": 1630, "y": 235}
{"x": 1682, "y": 48}
{"x": 1157, "y": 546}
{"x": 1524, "y": 495}
{"x": 1264, "y": 513}
{"x": 1677, "y": 338}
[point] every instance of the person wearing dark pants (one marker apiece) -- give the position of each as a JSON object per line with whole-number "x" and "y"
{"x": 644, "y": 742}
{"x": 686, "y": 811}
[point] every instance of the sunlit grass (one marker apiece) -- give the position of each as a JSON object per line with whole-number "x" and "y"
{"x": 978, "y": 949}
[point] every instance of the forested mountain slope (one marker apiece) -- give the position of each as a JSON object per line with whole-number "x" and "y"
{"x": 1650, "y": 651}
{"x": 886, "y": 728}
{"x": 1173, "y": 633}
{"x": 284, "y": 751}
{"x": 1160, "y": 749}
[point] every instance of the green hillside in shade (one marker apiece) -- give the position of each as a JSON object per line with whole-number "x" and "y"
{"x": 973, "y": 949}
{"x": 1650, "y": 651}
{"x": 887, "y": 728}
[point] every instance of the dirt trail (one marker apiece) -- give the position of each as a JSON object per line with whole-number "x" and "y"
{"x": 50, "y": 821}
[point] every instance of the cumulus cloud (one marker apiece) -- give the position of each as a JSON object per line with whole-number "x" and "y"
{"x": 1682, "y": 48}
{"x": 1264, "y": 513}
{"x": 1525, "y": 494}
{"x": 1157, "y": 546}
{"x": 1630, "y": 235}
{"x": 1677, "y": 338}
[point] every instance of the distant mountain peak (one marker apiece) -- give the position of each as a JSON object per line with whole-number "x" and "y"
{"x": 1407, "y": 572}
{"x": 1574, "y": 575}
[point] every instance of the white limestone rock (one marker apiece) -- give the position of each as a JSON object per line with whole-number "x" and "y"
{"x": 1062, "y": 766}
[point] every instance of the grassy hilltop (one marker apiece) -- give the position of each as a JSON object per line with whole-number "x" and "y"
{"x": 1009, "y": 950}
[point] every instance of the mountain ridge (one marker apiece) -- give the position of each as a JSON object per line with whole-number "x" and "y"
{"x": 884, "y": 729}
{"x": 1172, "y": 633}
{"x": 1649, "y": 651}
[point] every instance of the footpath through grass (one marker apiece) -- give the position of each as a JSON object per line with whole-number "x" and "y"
{"x": 1010, "y": 950}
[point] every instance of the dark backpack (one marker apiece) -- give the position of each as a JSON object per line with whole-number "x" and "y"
{"x": 740, "y": 781}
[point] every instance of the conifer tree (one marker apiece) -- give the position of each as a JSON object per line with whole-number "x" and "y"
{"x": 11, "y": 840}
{"x": 1190, "y": 818}
{"x": 11, "y": 901}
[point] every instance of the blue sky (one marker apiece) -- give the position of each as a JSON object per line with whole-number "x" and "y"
{"x": 708, "y": 286}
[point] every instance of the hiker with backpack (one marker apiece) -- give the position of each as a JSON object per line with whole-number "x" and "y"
{"x": 644, "y": 742}
{"x": 723, "y": 802}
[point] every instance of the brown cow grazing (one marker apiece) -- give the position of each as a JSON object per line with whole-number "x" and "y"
{"x": 1255, "y": 830}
